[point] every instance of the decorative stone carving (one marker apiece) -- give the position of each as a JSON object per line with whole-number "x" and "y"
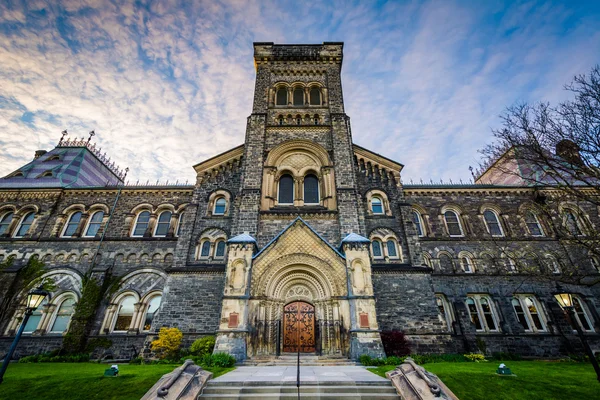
{"x": 413, "y": 382}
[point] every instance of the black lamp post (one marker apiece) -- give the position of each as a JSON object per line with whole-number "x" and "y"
{"x": 566, "y": 302}
{"x": 34, "y": 299}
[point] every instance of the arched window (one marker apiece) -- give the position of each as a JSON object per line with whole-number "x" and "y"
{"x": 444, "y": 310}
{"x": 418, "y": 221}
{"x": 63, "y": 315}
{"x": 311, "y": 189}
{"x": 298, "y": 97}
{"x": 282, "y": 96}
{"x": 453, "y": 223}
{"x": 377, "y": 250}
{"x": 125, "y": 314}
{"x": 220, "y": 250}
{"x": 286, "y": 189}
{"x": 427, "y": 260}
{"x": 141, "y": 224}
{"x": 528, "y": 313}
{"x": 178, "y": 231}
{"x": 466, "y": 263}
{"x": 163, "y": 224}
{"x": 391, "y": 249}
{"x": 280, "y": 120}
{"x": 94, "y": 224}
{"x": 298, "y": 120}
{"x": 5, "y": 221}
{"x": 482, "y": 313}
{"x": 35, "y": 318}
{"x": 376, "y": 205}
{"x": 25, "y": 224}
{"x": 205, "y": 249}
{"x": 581, "y": 315}
{"x": 315, "y": 97}
{"x": 152, "y": 309}
{"x": 492, "y": 223}
{"x": 317, "y": 120}
{"x": 553, "y": 264}
{"x": 220, "y": 206}
{"x": 571, "y": 222}
{"x": 72, "y": 224}
{"x": 533, "y": 224}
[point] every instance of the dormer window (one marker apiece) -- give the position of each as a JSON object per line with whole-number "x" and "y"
{"x": 47, "y": 174}
{"x": 53, "y": 158}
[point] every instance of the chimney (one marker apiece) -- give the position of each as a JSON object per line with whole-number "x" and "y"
{"x": 39, "y": 153}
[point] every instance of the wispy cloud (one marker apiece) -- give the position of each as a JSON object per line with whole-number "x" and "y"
{"x": 168, "y": 84}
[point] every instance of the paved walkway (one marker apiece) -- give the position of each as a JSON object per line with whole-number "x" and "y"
{"x": 308, "y": 375}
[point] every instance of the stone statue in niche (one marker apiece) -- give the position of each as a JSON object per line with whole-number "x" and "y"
{"x": 358, "y": 275}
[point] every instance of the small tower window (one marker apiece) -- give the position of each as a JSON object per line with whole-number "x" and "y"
{"x": 315, "y": 97}
{"x": 282, "y": 97}
{"x": 311, "y": 189}
{"x": 298, "y": 97}
{"x": 220, "y": 206}
{"x": 286, "y": 190}
{"x": 376, "y": 205}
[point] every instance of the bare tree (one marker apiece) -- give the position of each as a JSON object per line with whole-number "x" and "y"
{"x": 556, "y": 151}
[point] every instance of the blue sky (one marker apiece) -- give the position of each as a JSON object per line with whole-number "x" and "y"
{"x": 167, "y": 84}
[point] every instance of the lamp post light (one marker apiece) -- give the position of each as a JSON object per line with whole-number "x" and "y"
{"x": 565, "y": 300}
{"x": 34, "y": 299}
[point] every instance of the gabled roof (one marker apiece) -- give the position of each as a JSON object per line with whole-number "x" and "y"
{"x": 220, "y": 159}
{"x": 296, "y": 221}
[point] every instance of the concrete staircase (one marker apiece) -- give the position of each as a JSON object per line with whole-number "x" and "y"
{"x": 273, "y": 390}
{"x": 289, "y": 360}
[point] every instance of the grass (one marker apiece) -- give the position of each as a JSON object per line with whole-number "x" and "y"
{"x": 70, "y": 381}
{"x": 535, "y": 380}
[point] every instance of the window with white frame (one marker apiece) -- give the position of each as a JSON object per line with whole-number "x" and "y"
{"x": 581, "y": 315}
{"x": 141, "y": 224}
{"x": 24, "y": 225}
{"x": 63, "y": 315}
{"x": 376, "y": 248}
{"x": 153, "y": 306}
{"x": 376, "y": 205}
{"x": 178, "y": 230}
{"x": 533, "y": 224}
{"x": 220, "y": 249}
{"x": 481, "y": 311}
{"x": 94, "y": 224}
{"x": 528, "y": 312}
{"x": 466, "y": 263}
{"x": 453, "y": 225}
{"x": 72, "y": 224}
{"x": 34, "y": 319}
{"x": 445, "y": 310}
{"x": 125, "y": 312}
{"x": 392, "y": 248}
{"x": 418, "y": 221}
{"x": 163, "y": 224}
{"x": 220, "y": 206}
{"x": 5, "y": 221}
{"x": 492, "y": 223}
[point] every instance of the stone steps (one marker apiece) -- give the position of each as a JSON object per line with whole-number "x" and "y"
{"x": 275, "y": 390}
{"x": 291, "y": 360}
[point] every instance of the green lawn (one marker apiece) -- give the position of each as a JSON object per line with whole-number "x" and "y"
{"x": 535, "y": 380}
{"x": 52, "y": 381}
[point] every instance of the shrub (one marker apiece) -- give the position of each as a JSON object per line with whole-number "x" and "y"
{"x": 223, "y": 360}
{"x": 168, "y": 343}
{"x": 203, "y": 346}
{"x": 393, "y": 360}
{"x": 52, "y": 357}
{"x": 475, "y": 357}
{"x": 395, "y": 343}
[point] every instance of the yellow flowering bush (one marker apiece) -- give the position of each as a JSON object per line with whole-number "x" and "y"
{"x": 168, "y": 343}
{"x": 475, "y": 357}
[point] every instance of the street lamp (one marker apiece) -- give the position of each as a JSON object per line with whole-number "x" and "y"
{"x": 565, "y": 300}
{"x": 34, "y": 299}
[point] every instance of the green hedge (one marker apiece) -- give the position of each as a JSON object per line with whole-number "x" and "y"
{"x": 50, "y": 357}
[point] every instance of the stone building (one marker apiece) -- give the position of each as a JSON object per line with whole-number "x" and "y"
{"x": 298, "y": 237}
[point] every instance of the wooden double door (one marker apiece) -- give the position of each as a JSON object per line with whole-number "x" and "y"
{"x": 299, "y": 327}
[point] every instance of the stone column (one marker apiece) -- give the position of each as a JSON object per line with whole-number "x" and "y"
{"x": 364, "y": 329}
{"x": 234, "y": 324}
{"x": 151, "y": 225}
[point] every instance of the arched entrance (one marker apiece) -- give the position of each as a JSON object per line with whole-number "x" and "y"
{"x": 299, "y": 327}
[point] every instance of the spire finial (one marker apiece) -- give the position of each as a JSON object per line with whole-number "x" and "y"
{"x": 92, "y": 133}
{"x": 63, "y": 134}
